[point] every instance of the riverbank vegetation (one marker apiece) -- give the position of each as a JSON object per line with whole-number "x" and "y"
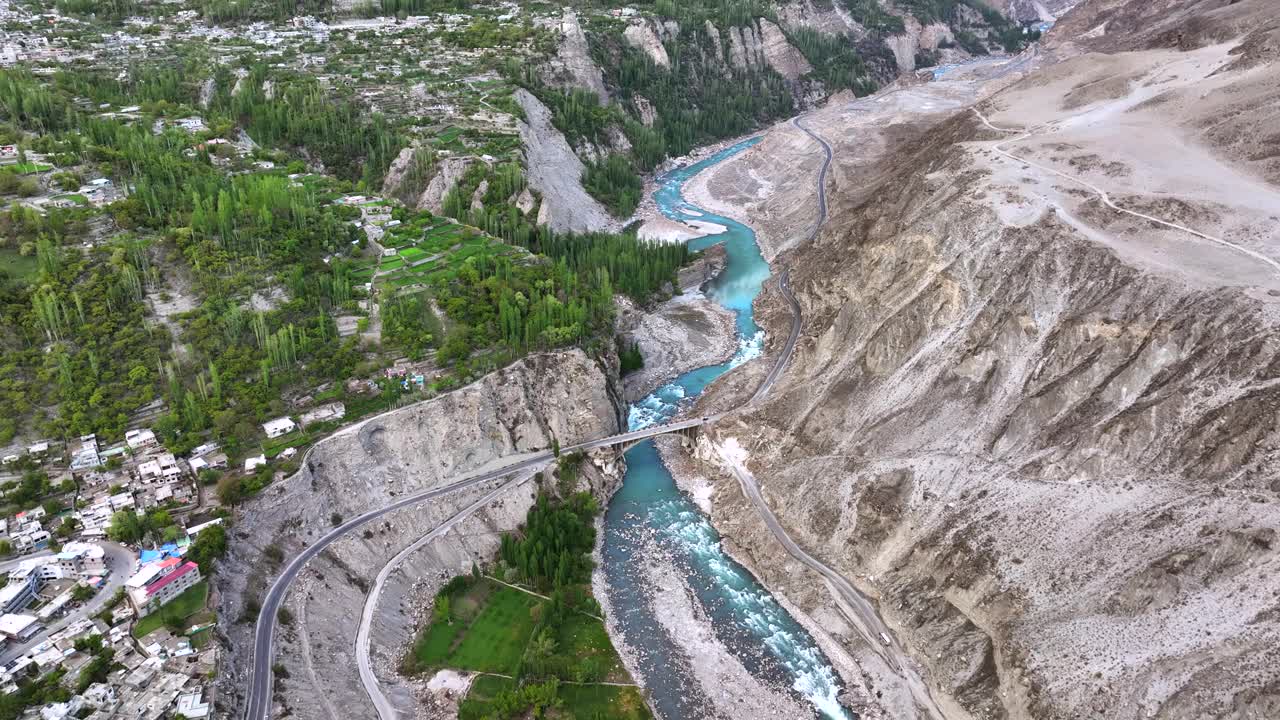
{"x": 531, "y": 625}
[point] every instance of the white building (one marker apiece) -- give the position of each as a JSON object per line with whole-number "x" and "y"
{"x": 255, "y": 462}
{"x": 157, "y": 583}
{"x": 205, "y": 449}
{"x": 18, "y": 627}
{"x": 82, "y": 560}
{"x": 19, "y": 593}
{"x": 162, "y": 467}
{"x": 195, "y": 529}
{"x": 29, "y": 540}
{"x": 86, "y": 458}
{"x": 279, "y": 426}
{"x": 190, "y": 706}
{"x": 138, "y": 439}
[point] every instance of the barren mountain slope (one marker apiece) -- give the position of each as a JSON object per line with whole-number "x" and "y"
{"x": 1042, "y": 432}
{"x": 521, "y": 408}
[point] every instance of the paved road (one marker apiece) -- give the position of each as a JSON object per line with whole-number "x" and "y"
{"x": 822, "y": 177}
{"x": 363, "y": 660}
{"x": 259, "y": 704}
{"x": 8, "y": 565}
{"x": 852, "y": 603}
{"x": 121, "y": 561}
{"x": 784, "y": 278}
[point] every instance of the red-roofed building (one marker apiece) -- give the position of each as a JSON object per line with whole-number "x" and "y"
{"x": 168, "y": 579}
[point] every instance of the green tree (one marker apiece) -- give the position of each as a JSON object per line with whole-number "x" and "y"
{"x": 126, "y": 527}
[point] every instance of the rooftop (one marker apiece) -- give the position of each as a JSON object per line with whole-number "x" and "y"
{"x": 14, "y": 624}
{"x": 158, "y": 585}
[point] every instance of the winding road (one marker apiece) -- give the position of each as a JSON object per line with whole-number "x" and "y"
{"x": 120, "y": 562}
{"x": 784, "y": 278}
{"x": 364, "y": 661}
{"x": 259, "y": 704}
{"x": 853, "y": 604}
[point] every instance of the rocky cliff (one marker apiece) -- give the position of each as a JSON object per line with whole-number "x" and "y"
{"x": 1042, "y": 433}
{"x": 555, "y": 172}
{"x": 567, "y": 396}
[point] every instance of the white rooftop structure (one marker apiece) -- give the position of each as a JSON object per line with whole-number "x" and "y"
{"x": 279, "y": 426}
{"x": 205, "y": 449}
{"x": 194, "y": 529}
{"x": 15, "y": 625}
{"x": 139, "y": 438}
{"x": 190, "y": 706}
{"x": 143, "y": 576}
{"x": 252, "y": 463}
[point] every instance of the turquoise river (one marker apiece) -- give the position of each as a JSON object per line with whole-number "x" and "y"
{"x": 744, "y": 616}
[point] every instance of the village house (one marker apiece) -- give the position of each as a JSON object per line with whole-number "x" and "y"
{"x": 279, "y": 426}
{"x": 139, "y": 439}
{"x": 86, "y": 458}
{"x": 158, "y": 583}
{"x": 163, "y": 467}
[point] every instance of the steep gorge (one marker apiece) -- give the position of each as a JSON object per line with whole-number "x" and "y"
{"x": 1043, "y": 437}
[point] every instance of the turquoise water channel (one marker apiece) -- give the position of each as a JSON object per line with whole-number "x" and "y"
{"x": 649, "y": 509}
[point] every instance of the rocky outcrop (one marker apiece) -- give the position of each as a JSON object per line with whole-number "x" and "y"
{"x": 397, "y": 170}
{"x": 686, "y": 332}
{"x": 566, "y": 396}
{"x": 525, "y": 201}
{"x": 572, "y": 65}
{"x": 448, "y": 173}
{"x": 477, "y": 197}
{"x": 1024, "y": 11}
{"x": 641, "y": 36}
{"x": 780, "y": 54}
{"x": 716, "y": 48}
{"x": 833, "y": 19}
{"x": 758, "y": 45}
{"x": 644, "y": 110}
{"x": 555, "y": 173}
{"x": 916, "y": 38}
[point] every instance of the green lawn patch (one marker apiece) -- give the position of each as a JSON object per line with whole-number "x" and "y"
{"x": 595, "y": 701}
{"x": 176, "y": 612}
{"x": 585, "y": 638}
{"x": 75, "y": 198}
{"x": 576, "y": 702}
{"x": 490, "y": 628}
{"x": 412, "y": 254}
{"x": 18, "y": 266}
{"x": 274, "y": 446}
{"x": 391, "y": 263}
{"x": 479, "y": 701}
{"x": 27, "y": 168}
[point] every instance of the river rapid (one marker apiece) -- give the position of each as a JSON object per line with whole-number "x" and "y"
{"x": 650, "y": 515}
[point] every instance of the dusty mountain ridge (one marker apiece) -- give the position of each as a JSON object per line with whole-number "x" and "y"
{"x": 1043, "y": 433}
{"x": 564, "y": 395}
